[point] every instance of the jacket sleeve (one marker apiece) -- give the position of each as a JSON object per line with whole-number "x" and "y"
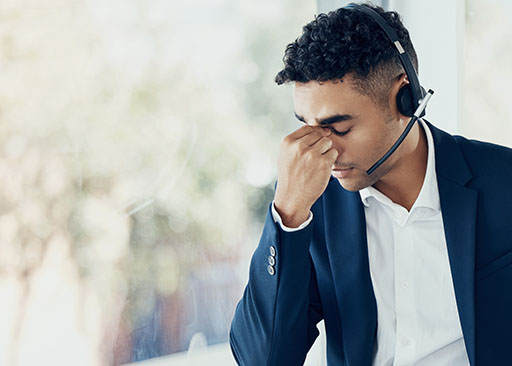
{"x": 275, "y": 321}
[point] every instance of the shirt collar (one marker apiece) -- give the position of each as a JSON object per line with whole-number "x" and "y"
{"x": 429, "y": 193}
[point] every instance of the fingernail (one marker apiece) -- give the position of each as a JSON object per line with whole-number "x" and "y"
{"x": 326, "y": 132}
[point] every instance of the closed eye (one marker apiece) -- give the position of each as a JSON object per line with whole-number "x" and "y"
{"x": 339, "y": 133}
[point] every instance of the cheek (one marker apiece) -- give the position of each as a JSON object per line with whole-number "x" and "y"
{"x": 359, "y": 149}
{"x": 354, "y": 143}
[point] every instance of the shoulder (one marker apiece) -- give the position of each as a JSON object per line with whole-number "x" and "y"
{"x": 490, "y": 164}
{"x": 485, "y": 155}
{"x": 481, "y": 150}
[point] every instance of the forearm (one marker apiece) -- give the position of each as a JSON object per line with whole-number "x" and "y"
{"x": 274, "y": 318}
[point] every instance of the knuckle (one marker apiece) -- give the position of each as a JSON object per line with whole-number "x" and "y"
{"x": 308, "y": 155}
{"x": 313, "y": 133}
{"x": 328, "y": 156}
{"x": 300, "y": 146}
{"x": 325, "y": 142}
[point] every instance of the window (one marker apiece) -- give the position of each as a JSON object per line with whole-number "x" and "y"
{"x": 138, "y": 158}
{"x": 488, "y": 56}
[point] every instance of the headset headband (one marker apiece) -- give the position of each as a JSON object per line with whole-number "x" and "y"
{"x": 417, "y": 92}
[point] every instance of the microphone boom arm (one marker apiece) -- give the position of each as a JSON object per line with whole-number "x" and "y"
{"x": 404, "y": 134}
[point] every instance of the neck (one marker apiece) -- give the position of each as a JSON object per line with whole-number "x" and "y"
{"x": 402, "y": 185}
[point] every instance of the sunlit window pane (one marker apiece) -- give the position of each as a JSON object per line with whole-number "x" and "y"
{"x": 137, "y": 161}
{"x": 488, "y": 56}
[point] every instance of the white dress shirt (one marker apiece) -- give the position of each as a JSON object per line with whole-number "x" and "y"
{"x": 417, "y": 315}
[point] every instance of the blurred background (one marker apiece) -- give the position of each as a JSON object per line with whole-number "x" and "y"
{"x": 138, "y": 146}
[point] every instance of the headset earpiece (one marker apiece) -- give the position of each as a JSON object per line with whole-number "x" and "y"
{"x": 410, "y": 97}
{"x": 405, "y": 103}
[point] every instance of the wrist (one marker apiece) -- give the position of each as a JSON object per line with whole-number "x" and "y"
{"x": 292, "y": 217}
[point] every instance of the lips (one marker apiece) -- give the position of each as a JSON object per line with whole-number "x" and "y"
{"x": 342, "y": 173}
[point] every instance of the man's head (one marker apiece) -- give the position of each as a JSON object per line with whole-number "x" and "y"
{"x": 347, "y": 41}
{"x": 344, "y": 64}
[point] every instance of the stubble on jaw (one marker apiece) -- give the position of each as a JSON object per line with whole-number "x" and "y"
{"x": 364, "y": 180}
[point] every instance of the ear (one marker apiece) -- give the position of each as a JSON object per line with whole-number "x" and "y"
{"x": 400, "y": 97}
{"x": 398, "y": 82}
{"x": 402, "y": 80}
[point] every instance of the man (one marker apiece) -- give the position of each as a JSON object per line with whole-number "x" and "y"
{"x": 408, "y": 265}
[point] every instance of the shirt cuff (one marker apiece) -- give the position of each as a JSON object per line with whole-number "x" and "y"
{"x": 278, "y": 219}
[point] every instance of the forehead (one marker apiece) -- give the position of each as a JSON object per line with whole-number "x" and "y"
{"x": 316, "y": 100}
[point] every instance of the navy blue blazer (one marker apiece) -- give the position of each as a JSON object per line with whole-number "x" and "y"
{"x": 322, "y": 271}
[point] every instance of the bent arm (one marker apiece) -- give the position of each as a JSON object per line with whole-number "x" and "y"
{"x": 275, "y": 321}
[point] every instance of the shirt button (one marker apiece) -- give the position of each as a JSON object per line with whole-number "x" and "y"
{"x": 271, "y": 270}
{"x": 271, "y": 260}
{"x": 405, "y": 284}
{"x": 272, "y": 251}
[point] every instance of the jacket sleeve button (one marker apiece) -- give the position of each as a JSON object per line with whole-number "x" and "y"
{"x": 271, "y": 270}
{"x": 272, "y": 251}
{"x": 271, "y": 260}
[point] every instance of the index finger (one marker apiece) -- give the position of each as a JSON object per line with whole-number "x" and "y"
{"x": 303, "y": 131}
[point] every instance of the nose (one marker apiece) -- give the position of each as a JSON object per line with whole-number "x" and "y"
{"x": 339, "y": 149}
{"x": 336, "y": 145}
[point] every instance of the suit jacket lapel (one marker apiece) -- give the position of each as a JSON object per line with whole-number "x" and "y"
{"x": 345, "y": 230}
{"x": 459, "y": 208}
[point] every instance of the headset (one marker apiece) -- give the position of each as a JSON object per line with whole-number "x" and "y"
{"x": 411, "y": 99}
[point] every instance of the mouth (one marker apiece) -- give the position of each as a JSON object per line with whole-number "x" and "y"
{"x": 342, "y": 173}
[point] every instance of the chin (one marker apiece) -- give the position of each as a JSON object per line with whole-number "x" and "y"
{"x": 358, "y": 181}
{"x": 352, "y": 185}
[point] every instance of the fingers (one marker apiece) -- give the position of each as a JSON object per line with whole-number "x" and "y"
{"x": 311, "y": 138}
{"x": 315, "y": 136}
{"x": 314, "y": 141}
{"x": 331, "y": 154}
{"x": 304, "y": 131}
{"x": 301, "y": 132}
{"x": 322, "y": 145}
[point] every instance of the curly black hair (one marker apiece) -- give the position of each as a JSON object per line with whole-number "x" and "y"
{"x": 348, "y": 41}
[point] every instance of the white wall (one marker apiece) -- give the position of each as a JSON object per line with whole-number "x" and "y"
{"x": 436, "y": 28}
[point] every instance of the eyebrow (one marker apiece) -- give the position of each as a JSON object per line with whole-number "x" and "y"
{"x": 328, "y": 120}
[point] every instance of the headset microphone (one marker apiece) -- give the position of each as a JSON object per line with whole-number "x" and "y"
{"x": 417, "y": 114}
{"x": 411, "y": 99}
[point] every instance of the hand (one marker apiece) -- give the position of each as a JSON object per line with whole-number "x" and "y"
{"x": 304, "y": 167}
